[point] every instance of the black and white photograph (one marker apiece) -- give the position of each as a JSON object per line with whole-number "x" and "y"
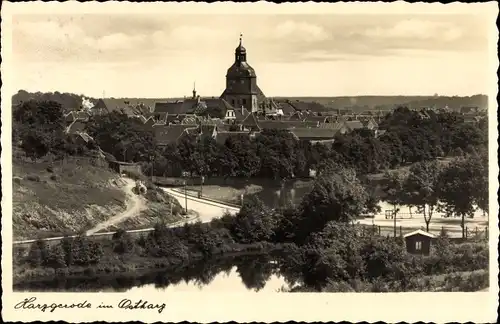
{"x": 260, "y": 153}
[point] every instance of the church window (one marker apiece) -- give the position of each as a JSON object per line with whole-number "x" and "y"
{"x": 244, "y": 101}
{"x": 233, "y": 102}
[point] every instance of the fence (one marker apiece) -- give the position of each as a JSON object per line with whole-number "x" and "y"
{"x": 477, "y": 233}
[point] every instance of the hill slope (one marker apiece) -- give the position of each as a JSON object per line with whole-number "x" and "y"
{"x": 76, "y": 195}
{"x": 70, "y": 101}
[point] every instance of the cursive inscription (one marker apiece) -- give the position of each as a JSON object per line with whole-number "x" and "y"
{"x": 141, "y": 304}
{"x": 29, "y": 303}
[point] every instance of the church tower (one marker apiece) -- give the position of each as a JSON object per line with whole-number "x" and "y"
{"x": 241, "y": 83}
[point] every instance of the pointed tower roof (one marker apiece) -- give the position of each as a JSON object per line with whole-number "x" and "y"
{"x": 240, "y": 49}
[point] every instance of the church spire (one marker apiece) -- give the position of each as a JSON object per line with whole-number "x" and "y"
{"x": 194, "y": 90}
{"x": 240, "y": 54}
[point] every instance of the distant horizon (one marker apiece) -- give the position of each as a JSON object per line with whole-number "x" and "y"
{"x": 268, "y": 96}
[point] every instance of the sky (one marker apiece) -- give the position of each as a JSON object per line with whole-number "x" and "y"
{"x": 162, "y": 55}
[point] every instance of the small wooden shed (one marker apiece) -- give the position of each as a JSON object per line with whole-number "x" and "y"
{"x": 418, "y": 242}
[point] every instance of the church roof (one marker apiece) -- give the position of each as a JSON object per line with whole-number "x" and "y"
{"x": 240, "y": 69}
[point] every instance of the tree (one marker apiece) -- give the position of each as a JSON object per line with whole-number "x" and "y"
{"x": 122, "y": 242}
{"x": 482, "y": 182}
{"x": 394, "y": 189}
{"x": 421, "y": 188}
{"x": 38, "y": 253}
{"x": 123, "y": 137}
{"x": 338, "y": 196}
{"x": 56, "y": 257}
{"x": 39, "y": 127}
{"x": 254, "y": 222}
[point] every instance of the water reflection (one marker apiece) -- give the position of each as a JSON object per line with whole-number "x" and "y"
{"x": 258, "y": 273}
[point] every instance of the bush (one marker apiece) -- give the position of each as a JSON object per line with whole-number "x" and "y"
{"x": 122, "y": 242}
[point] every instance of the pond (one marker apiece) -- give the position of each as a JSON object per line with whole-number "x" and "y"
{"x": 252, "y": 274}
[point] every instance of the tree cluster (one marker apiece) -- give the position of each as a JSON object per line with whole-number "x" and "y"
{"x": 39, "y": 129}
{"x": 457, "y": 189}
{"x": 79, "y": 251}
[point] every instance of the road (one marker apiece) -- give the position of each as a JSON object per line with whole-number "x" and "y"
{"x": 207, "y": 210}
{"x": 135, "y": 204}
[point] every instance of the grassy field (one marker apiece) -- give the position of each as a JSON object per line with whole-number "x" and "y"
{"x": 64, "y": 197}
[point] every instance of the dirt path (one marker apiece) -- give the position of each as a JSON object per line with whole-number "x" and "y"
{"x": 135, "y": 204}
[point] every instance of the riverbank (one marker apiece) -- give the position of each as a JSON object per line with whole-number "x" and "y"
{"x": 118, "y": 265}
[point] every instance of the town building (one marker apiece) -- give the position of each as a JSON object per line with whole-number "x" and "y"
{"x": 242, "y": 90}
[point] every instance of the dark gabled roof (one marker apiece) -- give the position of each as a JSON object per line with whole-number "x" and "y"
{"x": 148, "y": 124}
{"x": 69, "y": 118}
{"x": 190, "y": 120}
{"x": 469, "y": 109}
{"x": 297, "y": 116}
{"x": 420, "y": 232}
{"x": 366, "y": 120}
{"x": 312, "y": 106}
{"x": 251, "y": 121}
{"x": 130, "y": 106}
{"x": 76, "y": 127}
{"x": 336, "y": 125}
{"x": 241, "y": 114}
{"x": 314, "y": 133}
{"x": 207, "y": 130}
{"x": 313, "y": 118}
{"x": 169, "y": 107}
{"x": 170, "y": 134}
{"x": 222, "y": 137}
{"x": 86, "y": 137}
{"x": 286, "y": 124}
{"x": 287, "y": 108}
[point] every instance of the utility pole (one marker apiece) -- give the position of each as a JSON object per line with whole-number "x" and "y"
{"x": 201, "y": 187}
{"x": 185, "y": 196}
{"x": 394, "y": 216}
